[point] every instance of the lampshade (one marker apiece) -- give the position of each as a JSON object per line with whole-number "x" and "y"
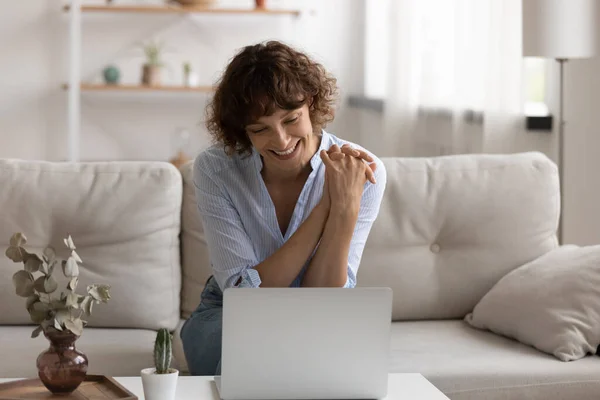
{"x": 559, "y": 28}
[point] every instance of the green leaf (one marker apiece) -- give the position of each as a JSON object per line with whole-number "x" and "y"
{"x": 57, "y": 325}
{"x": 16, "y": 253}
{"x": 75, "y": 326}
{"x": 100, "y": 293}
{"x": 44, "y": 269}
{"x": 24, "y": 283}
{"x": 69, "y": 243}
{"x": 46, "y": 284}
{"x": 51, "y": 267}
{"x": 31, "y": 300}
{"x": 70, "y": 268}
{"x": 47, "y": 323}
{"x": 86, "y": 305}
{"x": 33, "y": 263}
{"x": 72, "y": 285}
{"x": 39, "y": 312}
{"x": 62, "y": 315}
{"x": 18, "y": 239}
{"x": 76, "y": 256}
{"x": 50, "y": 284}
{"x": 50, "y": 254}
{"x": 72, "y": 300}
{"x": 57, "y": 304}
{"x": 36, "y": 332}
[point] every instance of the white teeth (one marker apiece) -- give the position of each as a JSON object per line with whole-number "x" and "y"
{"x": 285, "y": 153}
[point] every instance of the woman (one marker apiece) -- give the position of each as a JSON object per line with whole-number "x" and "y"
{"x": 283, "y": 203}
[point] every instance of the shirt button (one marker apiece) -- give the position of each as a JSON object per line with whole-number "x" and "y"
{"x": 435, "y": 248}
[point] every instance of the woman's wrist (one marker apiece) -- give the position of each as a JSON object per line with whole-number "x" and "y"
{"x": 344, "y": 212}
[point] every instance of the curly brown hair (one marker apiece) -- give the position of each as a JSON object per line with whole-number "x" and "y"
{"x": 260, "y": 78}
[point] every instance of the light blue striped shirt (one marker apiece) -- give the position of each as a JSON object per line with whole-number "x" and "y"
{"x": 239, "y": 218}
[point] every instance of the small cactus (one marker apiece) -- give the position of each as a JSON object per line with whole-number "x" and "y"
{"x": 163, "y": 351}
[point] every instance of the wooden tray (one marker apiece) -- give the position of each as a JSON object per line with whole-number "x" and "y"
{"x": 94, "y": 387}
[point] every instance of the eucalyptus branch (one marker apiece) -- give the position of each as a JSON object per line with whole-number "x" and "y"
{"x": 58, "y": 312}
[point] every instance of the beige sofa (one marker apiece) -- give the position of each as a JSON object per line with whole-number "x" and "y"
{"x": 449, "y": 228}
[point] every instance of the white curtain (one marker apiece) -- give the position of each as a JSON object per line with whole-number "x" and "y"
{"x": 454, "y": 77}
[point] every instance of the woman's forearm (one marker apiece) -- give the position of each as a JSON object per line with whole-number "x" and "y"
{"x": 283, "y": 266}
{"x": 329, "y": 266}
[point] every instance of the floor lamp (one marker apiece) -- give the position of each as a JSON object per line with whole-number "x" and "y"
{"x": 562, "y": 30}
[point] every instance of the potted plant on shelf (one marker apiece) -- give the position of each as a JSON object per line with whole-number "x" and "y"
{"x": 190, "y": 78}
{"x": 151, "y": 69}
{"x": 160, "y": 382}
{"x": 61, "y": 367}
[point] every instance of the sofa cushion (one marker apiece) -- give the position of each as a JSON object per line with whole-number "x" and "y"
{"x": 467, "y": 363}
{"x": 551, "y": 303}
{"x": 124, "y": 218}
{"x": 450, "y": 227}
{"x": 194, "y": 251}
{"x": 111, "y": 352}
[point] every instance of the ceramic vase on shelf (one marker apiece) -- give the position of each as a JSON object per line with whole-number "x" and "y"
{"x": 62, "y": 367}
{"x": 111, "y": 75}
{"x": 151, "y": 75}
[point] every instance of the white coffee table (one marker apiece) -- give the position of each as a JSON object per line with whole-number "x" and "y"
{"x": 400, "y": 387}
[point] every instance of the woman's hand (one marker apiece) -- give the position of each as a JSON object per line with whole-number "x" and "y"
{"x": 336, "y": 154}
{"x": 347, "y": 150}
{"x": 345, "y": 178}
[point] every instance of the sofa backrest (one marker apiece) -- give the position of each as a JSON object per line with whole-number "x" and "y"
{"x": 124, "y": 218}
{"x": 448, "y": 229}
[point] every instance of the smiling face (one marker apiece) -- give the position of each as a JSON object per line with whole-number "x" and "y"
{"x": 285, "y": 140}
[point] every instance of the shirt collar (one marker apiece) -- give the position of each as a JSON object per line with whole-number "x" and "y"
{"x": 325, "y": 144}
{"x": 314, "y": 161}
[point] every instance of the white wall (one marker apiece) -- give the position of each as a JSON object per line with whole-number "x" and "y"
{"x": 117, "y": 126}
{"x": 34, "y": 38}
{"x": 582, "y": 151}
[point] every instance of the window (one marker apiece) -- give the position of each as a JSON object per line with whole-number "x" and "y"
{"x": 535, "y": 86}
{"x": 435, "y": 58}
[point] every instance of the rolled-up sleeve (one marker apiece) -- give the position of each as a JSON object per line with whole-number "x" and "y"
{"x": 369, "y": 209}
{"x": 230, "y": 249}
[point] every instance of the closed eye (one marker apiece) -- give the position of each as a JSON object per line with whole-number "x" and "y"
{"x": 291, "y": 120}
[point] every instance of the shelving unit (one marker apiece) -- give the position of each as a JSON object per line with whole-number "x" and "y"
{"x": 170, "y": 9}
{"x": 75, "y": 87}
{"x": 92, "y": 87}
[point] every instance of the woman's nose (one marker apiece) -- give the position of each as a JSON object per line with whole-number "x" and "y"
{"x": 282, "y": 138}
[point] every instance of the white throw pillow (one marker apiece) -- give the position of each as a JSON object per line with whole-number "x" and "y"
{"x": 551, "y": 303}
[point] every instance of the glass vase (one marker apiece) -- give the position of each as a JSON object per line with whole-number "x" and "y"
{"x": 61, "y": 367}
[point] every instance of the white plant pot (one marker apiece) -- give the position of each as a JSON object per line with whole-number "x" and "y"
{"x": 191, "y": 79}
{"x": 159, "y": 386}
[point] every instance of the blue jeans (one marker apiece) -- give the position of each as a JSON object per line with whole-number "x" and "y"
{"x": 201, "y": 333}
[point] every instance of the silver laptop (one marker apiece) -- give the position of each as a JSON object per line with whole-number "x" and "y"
{"x": 305, "y": 343}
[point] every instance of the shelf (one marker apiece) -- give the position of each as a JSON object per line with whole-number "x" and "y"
{"x": 168, "y": 9}
{"x": 91, "y": 87}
